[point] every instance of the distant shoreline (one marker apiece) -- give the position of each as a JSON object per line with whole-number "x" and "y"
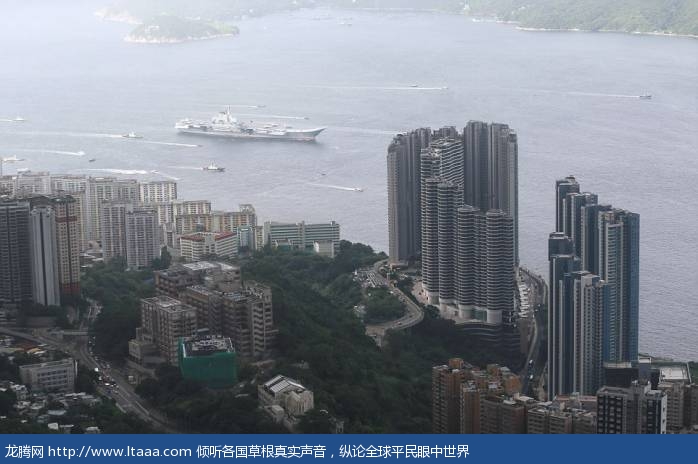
{"x": 656, "y": 33}
{"x": 172, "y": 40}
{"x": 125, "y": 17}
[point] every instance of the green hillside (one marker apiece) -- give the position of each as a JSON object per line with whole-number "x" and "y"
{"x": 669, "y": 16}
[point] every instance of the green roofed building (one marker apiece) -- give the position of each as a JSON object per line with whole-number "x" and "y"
{"x": 209, "y": 359}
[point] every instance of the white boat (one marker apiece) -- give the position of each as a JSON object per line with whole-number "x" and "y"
{"x": 132, "y": 135}
{"x": 19, "y": 119}
{"x": 213, "y": 168}
{"x": 12, "y": 159}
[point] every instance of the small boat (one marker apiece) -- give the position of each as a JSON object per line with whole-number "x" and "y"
{"x": 12, "y": 159}
{"x": 645, "y": 96}
{"x": 213, "y": 168}
{"x": 19, "y": 119}
{"x": 414, "y": 86}
{"x": 358, "y": 189}
{"x": 132, "y": 135}
{"x": 92, "y": 160}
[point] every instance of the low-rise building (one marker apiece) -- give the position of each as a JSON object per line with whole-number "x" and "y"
{"x": 209, "y": 359}
{"x": 289, "y": 395}
{"x": 199, "y": 245}
{"x": 52, "y": 376}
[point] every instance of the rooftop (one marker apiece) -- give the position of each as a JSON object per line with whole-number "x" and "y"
{"x": 281, "y": 384}
{"x": 201, "y": 236}
{"x": 61, "y": 362}
{"x": 208, "y": 266}
{"x": 674, "y": 372}
{"x": 205, "y": 345}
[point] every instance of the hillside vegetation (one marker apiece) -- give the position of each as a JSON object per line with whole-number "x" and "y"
{"x": 668, "y": 16}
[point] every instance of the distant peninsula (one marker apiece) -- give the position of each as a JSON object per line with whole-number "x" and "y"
{"x": 660, "y": 17}
{"x": 172, "y": 29}
{"x": 167, "y": 28}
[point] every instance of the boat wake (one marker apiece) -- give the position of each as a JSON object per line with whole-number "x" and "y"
{"x": 129, "y": 172}
{"x": 573, "y": 93}
{"x": 188, "y": 168}
{"x": 412, "y": 88}
{"x": 338, "y": 187}
{"x": 171, "y": 144}
{"x": 364, "y": 130}
{"x": 56, "y": 152}
{"x": 167, "y": 176}
{"x": 606, "y": 95}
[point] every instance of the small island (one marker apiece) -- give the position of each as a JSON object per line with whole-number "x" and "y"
{"x": 170, "y": 29}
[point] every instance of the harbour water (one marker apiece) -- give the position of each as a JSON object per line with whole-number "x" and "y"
{"x": 572, "y": 97}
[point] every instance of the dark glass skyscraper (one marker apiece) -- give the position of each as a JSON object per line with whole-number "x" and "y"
{"x": 15, "y": 253}
{"x": 594, "y": 289}
{"x": 404, "y": 191}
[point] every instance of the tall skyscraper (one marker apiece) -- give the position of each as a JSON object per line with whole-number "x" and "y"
{"x": 404, "y": 187}
{"x": 594, "y": 289}
{"x": 562, "y": 188}
{"x": 44, "y": 256}
{"x": 15, "y": 254}
{"x": 143, "y": 238}
{"x": 469, "y": 226}
{"x": 619, "y": 266}
{"x": 588, "y": 298}
{"x": 68, "y": 242}
{"x": 112, "y": 220}
{"x": 562, "y": 262}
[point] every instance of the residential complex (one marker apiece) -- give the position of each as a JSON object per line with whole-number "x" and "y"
{"x": 637, "y": 409}
{"x": 165, "y": 320}
{"x": 453, "y": 201}
{"x": 594, "y": 290}
{"x": 224, "y": 304}
{"x": 300, "y": 236}
{"x": 199, "y": 245}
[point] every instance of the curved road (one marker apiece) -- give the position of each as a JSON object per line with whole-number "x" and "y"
{"x": 414, "y": 315}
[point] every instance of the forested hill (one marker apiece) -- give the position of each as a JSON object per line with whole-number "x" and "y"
{"x": 667, "y": 16}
